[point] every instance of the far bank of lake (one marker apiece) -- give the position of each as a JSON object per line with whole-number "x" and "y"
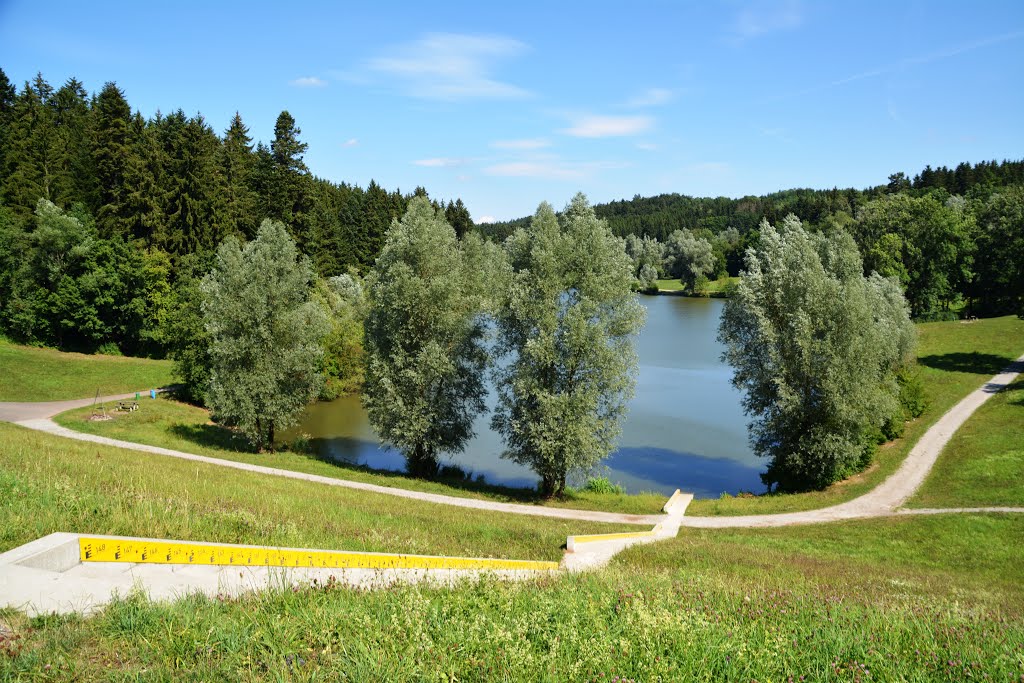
{"x": 685, "y": 427}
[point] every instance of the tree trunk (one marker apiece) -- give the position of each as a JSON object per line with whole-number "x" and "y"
{"x": 270, "y": 437}
{"x": 259, "y": 435}
{"x": 422, "y": 462}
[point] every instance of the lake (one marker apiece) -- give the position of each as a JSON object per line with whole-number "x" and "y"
{"x": 685, "y": 427}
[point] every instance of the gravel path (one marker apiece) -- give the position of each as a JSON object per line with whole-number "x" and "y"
{"x": 886, "y": 499}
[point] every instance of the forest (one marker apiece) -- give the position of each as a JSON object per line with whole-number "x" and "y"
{"x": 954, "y": 238}
{"x": 105, "y": 216}
{"x": 109, "y": 219}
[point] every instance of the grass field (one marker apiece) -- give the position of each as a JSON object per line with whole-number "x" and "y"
{"x": 35, "y": 374}
{"x": 983, "y": 464}
{"x": 714, "y": 288}
{"x": 49, "y": 484}
{"x": 896, "y": 599}
{"x": 864, "y": 601}
{"x": 170, "y": 424}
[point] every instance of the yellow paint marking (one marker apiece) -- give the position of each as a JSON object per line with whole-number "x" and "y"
{"x": 613, "y": 537}
{"x": 171, "y": 552}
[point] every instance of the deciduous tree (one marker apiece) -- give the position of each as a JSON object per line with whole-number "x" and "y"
{"x": 265, "y": 333}
{"x": 816, "y": 348}
{"x": 424, "y": 340}
{"x": 567, "y": 325}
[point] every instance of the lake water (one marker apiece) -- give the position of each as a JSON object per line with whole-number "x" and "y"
{"x": 685, "y": 427}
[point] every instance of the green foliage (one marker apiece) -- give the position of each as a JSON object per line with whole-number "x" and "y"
{"x": 265, "y": 334}
{"x": 424, "y": 340}
{"x": 67, "y": 287}
{"x": 342, "y": 300}
{"x": 925, "y": 243}
{"x": 815, "y": 346}
{"x": 603, "y": 485}
{"x": 568, "y": 323}
{"x": 688, "y": 258}
{"x": 183, "y": 330}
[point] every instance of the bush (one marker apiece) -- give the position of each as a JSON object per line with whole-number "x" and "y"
{"x": 603, "y": 485}
{"x": 108, "y": 349}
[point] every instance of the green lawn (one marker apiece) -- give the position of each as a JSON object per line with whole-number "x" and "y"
{"x": 36, "y": 374}
{"x": 170, "y": 424}
{"x": 954, "y": 358}
{"x": 714, "y": 288}
{"x": 983, "y": 464}
{"x": 48, "y": 483}
{"x": 892, "y": 600}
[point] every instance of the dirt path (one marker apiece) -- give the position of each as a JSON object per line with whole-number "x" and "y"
{"x": 886, "y": 499}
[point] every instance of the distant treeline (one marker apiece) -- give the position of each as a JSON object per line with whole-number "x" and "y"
{"x": 152, "y": 198}
{"x": 953, "y": 237}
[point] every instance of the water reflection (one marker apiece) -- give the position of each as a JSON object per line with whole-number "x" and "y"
{"x": 685, "y": 427}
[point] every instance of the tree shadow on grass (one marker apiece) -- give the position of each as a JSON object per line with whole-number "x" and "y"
{"x": 977, "y": 363}
{"x": 213, "y": 436}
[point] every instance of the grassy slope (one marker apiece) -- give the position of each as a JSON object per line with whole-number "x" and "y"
{"x": 928, "y": 598}
{"x": 881, "y": 600}
{"x": 954, "y": 358}
{"x": 170, "y": 424}
{"x": 34, "y": 374}
{"x": 49, "y": 484}
{"x": 983, "y": 464}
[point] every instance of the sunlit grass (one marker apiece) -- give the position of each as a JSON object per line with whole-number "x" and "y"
{"x": 36, "y": 374}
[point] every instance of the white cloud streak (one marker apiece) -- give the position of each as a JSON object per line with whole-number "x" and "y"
{"x": 351, "y": 142}
{"x": 449, "y": 66}
{"x": 761, "y": 18}
{"x": 609, "y": 126}
{"x": 308, "y": 82}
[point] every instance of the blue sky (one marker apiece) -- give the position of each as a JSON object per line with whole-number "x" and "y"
{"x": 509, "y": 104}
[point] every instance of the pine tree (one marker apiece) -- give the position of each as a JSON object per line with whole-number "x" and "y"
{"x": 112, "y": 153}
{"x": 192, "y": 207}
{"x": 458, "y": 217}
{"x": 73, "y": 179}
{"x": 236, "y": 162}
{"x": 289, "y": 190}
{"x": 29, "y": 157}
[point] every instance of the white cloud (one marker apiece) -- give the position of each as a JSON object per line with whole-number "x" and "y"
{"x": 308, "y": 82}
{"x": 440, "y": 162}
{"x": 652, "y": 97}
{"x": 609, "y": 126}
{"x": 768, "y": 16}
{"x": 486, "y": 219}
{"x": 524, "y": 144}
{"x": 647, "y": 146}
{"x": 351, "y": 142}
{"x": 450, "y": 66}
{"x": 551, "y": 169}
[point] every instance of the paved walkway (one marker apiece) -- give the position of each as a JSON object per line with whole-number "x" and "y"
{"x": 884, "y": 500}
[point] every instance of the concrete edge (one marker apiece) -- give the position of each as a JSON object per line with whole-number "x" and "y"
{"x": 678, "y": 502}
{"x": 56, "y": 552}
{"x": 60, "y": 552}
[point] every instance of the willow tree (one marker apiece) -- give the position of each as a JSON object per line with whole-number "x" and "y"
{"x": 424, "y": 340}
{"x": 265, "y": 333}
{"x": 816, "y": 347}
{"x": 567, "y": 325}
